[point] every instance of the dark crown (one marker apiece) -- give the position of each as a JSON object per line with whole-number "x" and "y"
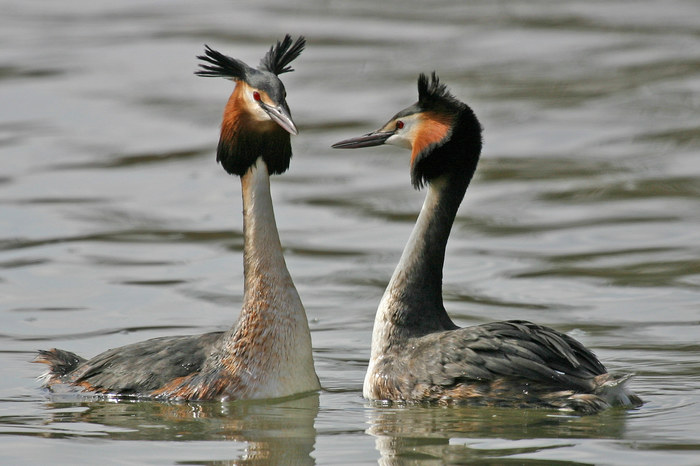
{"x": 432, "y": 93}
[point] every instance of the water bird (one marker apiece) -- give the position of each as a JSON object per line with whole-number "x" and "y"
{"x": 418, "y": 354}
{"x": 267, "y": 353}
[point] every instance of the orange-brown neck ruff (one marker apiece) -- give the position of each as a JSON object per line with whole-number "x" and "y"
{"x": 433, "y": 128}
{"x": 245, "y": 138}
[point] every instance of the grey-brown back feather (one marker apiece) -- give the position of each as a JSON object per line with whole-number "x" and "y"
{"x": 148, "y": 365}
{"x": 503, "y": 349}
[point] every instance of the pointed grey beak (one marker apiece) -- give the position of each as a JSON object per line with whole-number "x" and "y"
{"x": 281, "y": 116}
{"x": 374, "y": 138}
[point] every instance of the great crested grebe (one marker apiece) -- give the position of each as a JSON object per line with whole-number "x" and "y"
{"x": 418, "y": 353}
{"x": 267, "y": 353}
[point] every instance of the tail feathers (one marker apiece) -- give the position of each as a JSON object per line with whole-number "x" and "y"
{"x": 608, "y": 391}
{"x": 613, "y": 390}
{"x": 60, "y": 362}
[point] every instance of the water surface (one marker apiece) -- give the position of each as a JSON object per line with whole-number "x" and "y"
{"x": 117, "y": 225}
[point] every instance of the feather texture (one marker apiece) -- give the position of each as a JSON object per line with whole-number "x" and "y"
{"x": 280, "y": 55}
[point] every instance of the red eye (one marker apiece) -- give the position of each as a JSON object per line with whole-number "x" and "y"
{"x": 399, "y": 124}
{"x": 256, "y": 95}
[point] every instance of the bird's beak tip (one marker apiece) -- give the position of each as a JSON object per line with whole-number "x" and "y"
{"x": 281, "y": 116}
{"x": 375, "y": 138}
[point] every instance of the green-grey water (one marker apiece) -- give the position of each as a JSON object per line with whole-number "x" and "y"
{"x": 117, "y": 225}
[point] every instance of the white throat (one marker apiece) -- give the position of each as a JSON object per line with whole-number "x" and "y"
{"x": 273, "y": 320}
{"x": 382, "y": 322}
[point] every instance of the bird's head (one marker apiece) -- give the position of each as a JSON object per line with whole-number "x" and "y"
{"x": 257, "y": 121}
{"x": 442, "y": 133}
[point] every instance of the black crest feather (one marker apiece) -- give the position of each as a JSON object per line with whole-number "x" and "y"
{"x": 280, "y": 55}
{"x": 432, "y": 93}
{"x": 220, "y": 65}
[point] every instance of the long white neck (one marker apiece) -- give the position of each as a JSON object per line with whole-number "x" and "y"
{"x": 412, "y": 303}
{"x": 264, "y": 264}
{"x": 272, "y": 335}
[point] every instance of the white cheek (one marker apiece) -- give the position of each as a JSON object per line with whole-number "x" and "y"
{"x": 255, "y": 109}
{"x": 260, "y": 114}
{"x": 400, "y": 140}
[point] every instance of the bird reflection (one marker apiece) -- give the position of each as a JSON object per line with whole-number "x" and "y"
{"x": 416, "y": 434}
{"x": 268, "y": 432}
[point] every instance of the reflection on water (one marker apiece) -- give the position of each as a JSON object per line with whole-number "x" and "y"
{"x": 118, "y": 226}
{"x": 462, "y": 434}
{"x": 274, "y": 432}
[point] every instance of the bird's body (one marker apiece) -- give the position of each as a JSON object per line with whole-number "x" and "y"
{"x": 418, "y": 354}
{"x": 267, "y": 353}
